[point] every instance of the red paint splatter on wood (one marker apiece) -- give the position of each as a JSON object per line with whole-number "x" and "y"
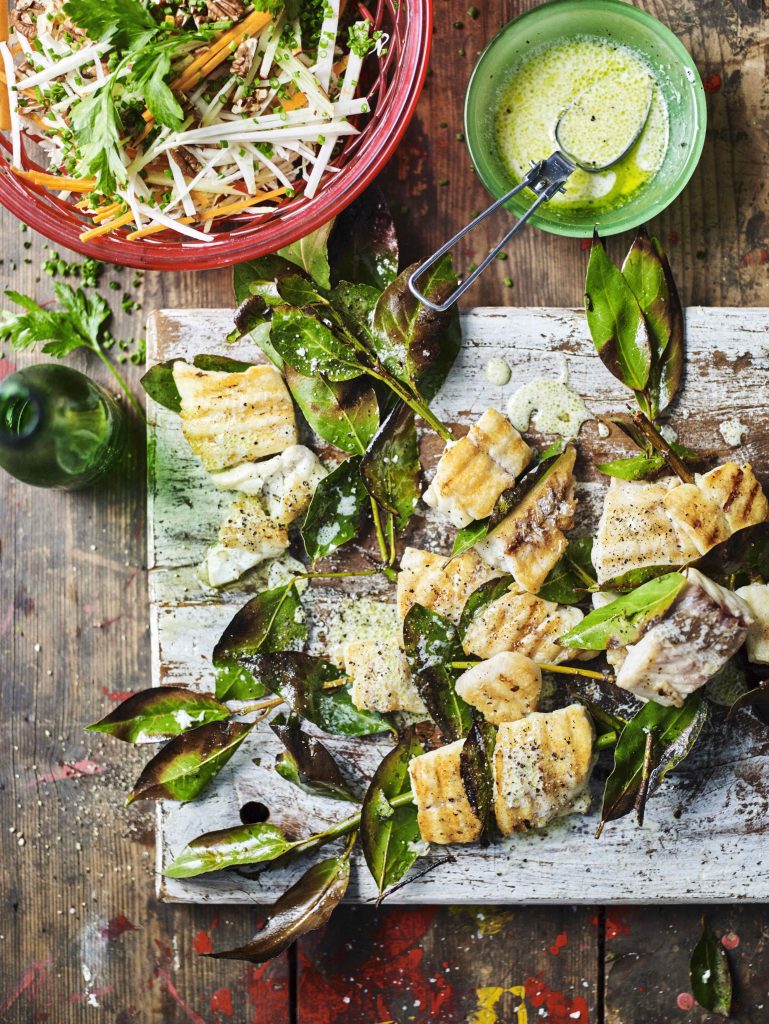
{"x": 106, "y": 623}
{"x": 117, "y": 926}
{"x": 267, "y": 993}
{"x": 72, "y": 770}
{"x": 617, "y": 923}
{"x": 755, "y": 257}
{"x": 192, "y": 1015}
{"x": 117, "y": 695}
{"x": 35, "y": 976}
{"x": 557, "y": 1006}
{"x": 6, "y": 367}
{"x": 221, "y": 1002}
{"x": 6, "y": 620}
{"x": 202, "y": 944}
{"x": 393, "y": 971}
{"x": 561, "y": 940}
{"x": 730, "y": 941}
{"x": 585, "y": 244}
{"x": 712, "y": 82}
{"x": 685, "y": 1001}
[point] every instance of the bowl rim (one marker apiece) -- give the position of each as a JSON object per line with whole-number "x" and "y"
{"x": 693, "y": 76}
{"x": 56, "y": 222}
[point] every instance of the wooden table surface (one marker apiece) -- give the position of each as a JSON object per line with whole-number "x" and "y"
{"x": 81, "y": 935}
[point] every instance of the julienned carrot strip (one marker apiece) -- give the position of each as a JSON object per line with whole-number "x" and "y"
{"x": 242, "y": 204}
{"x": 55, "y": 181}
{"x": 220, "y": 211}
{"x": 295, "y": 102}
{"x": 5, "y": 100}
{"x": 106, "y": 212}
{"x": 210, "y": 60}
{"x": 104, "y": 229}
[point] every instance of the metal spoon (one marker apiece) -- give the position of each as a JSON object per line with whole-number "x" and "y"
{"x": 545, "y": 179}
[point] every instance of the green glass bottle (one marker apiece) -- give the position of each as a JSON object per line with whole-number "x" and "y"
{"x": 58, "y": 428}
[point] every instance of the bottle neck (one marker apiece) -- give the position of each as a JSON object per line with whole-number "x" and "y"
{"x": 21, "y": 412}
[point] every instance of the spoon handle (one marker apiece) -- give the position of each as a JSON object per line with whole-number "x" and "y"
{"x": 545, "y": 179}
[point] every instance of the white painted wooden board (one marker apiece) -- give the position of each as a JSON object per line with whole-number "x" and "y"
{"x": 707, "y": 829}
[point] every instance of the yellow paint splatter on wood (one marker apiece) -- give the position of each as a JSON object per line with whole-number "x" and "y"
{"x": 488, "y": 1000}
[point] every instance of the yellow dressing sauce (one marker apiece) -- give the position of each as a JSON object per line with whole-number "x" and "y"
{"x": 550, "y": 80}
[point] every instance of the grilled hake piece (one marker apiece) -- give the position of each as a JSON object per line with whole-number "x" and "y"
{"x": 530, "y": 540}
{"x": 542, "y": 766}
{"x": 756, "y": 597}
{"x": 703, "y": 628}
{"x": 229, "y": 418}
{"x": 247, "y": 537}
{"x": 504, "y": 688}
{"x": 635, "y": 529}
{"x": 438, "y": 584}
{"x": 443, "y": 810}
{"x": 520, "y": 622}
{"x": 380, "y": 676}
{"x": 716, "y": 505}
{"x": 285, "y": 483}
{"x": 474, "y": 471}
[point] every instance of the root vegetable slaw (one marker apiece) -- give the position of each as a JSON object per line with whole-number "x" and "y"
{"x": 175, "y": 117}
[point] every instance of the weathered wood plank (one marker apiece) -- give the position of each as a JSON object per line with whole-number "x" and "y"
{"x": 728, "y": 376}
{"x": 647, "y": 963}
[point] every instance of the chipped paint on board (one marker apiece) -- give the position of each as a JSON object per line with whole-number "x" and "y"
{"x": 488, "y": 1000}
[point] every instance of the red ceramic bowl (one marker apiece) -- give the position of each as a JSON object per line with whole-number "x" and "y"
{"x": 393, "y": 91}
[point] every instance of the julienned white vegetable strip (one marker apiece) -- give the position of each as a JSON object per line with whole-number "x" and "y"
{"x": 349, "y": 84}
{"x": 13, "y": 104}
{"x": 268, "y": 121}
{"x": 76, "y": 60}
{"x": 327, "y": 43}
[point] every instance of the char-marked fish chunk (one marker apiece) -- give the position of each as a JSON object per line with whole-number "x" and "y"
{"x": 247, "y": 537}
{"x": 716, "y": 505}
{"x": 542, "y": 766}
{"x": 520, "y": 622}
{"x": 703, "y": 628}
{"x": 229, "y": 418}
{"x": 285, "y": 483}
{"x": 436, "y": 583}
{"x": 530, "y": 541}
{"x": 635, "y": 529}
{"x": 474, "y": 471}
{"x": 380, "y": 676}
{"x": 443, "y": 809}
{"x": 756, "y": 597}
{"x": 504, "y": 688}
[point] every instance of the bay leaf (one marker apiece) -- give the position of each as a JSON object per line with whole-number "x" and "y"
{"x": 307, "y": 762}
{"x": 272, "y": 620}
{"x": 190, "y": 762}
{"x": 710, "y": 974}
{"x": 228, "y": 848}
{"x": 616, "y": 323}
{"x": 160, "y": 713}
{"x": 390, "y": 835}
{"x": 432, "y": 643}
{"x": 305, "y": 684}
{"x": 623, "y": 621}
{"x": 307, "y": 905}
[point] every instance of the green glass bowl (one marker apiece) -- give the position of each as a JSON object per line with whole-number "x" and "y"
{"x": 617, "y": 22}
